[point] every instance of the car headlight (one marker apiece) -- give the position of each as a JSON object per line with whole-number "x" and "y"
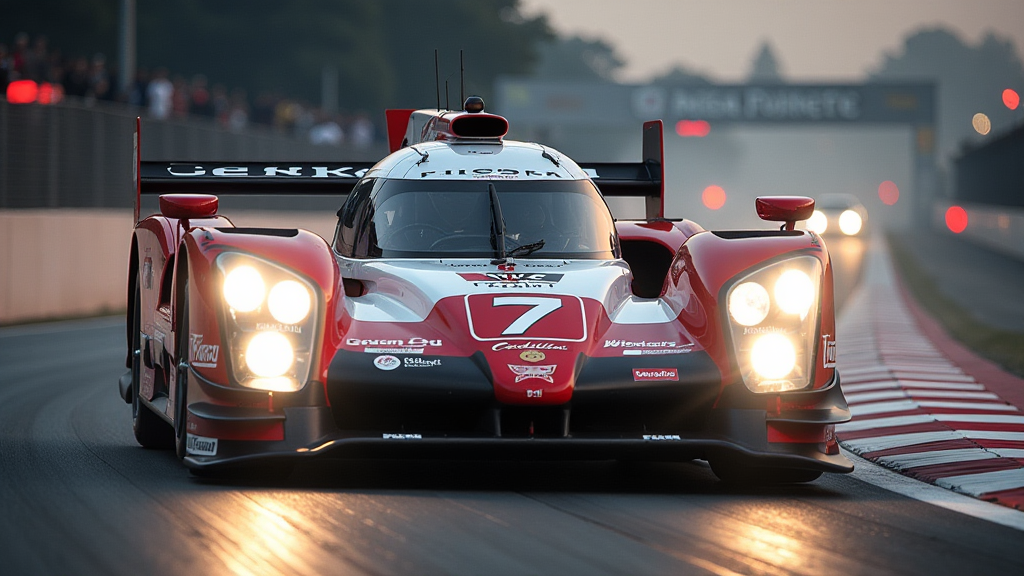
{"x": 850, "y": 222}
{"x": 749, "y": 303}
{"x": 774, "y": 333}
{"x": 817, "y": 223}
{"x": 270, "y": 333}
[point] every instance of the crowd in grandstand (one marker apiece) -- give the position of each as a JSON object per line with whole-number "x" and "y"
{"x": 164, "y": 95}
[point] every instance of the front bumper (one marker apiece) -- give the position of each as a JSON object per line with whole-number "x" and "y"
{"x": 798, "y": 435}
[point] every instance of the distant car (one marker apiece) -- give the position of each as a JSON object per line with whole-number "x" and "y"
{"x": 838, "y": 214}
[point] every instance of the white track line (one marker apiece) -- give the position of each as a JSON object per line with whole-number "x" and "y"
{"x": 876, "y": 475}
{"x": 986, "y": 418}
{"x": 969, "y": 406}
{"x": 889, "y": 422}
{"x": 877, "y": 443}
{"x": 930, "y": 458}
{"x": 978, "y": 484}
{"x": 883, "y": 407}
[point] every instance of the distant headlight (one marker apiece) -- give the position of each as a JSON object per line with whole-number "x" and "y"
{"x": 850, "y": 222}
{"x": 773, "y": 356}
{"x": 817, "y": 223}
{"x": 269, "y": 354}
{"x": 749, "y": 304}
{"x": 289, "y": 302}
{"x": 244, "y": 289}
{"x": 795, "y": 292}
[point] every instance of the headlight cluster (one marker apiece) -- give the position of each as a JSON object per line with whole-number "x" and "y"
{"x": 270, "y": 324}
{"x": 850, "y": 222}
{"x": 773, "y": 317}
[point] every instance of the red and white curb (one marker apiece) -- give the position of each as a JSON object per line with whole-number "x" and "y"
{"x": 916, "y": 411}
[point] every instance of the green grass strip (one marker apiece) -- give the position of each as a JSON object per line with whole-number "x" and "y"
{"x": 1002, "y": 347}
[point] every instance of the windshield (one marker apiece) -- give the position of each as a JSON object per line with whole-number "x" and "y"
{"x": 416, "y": 219}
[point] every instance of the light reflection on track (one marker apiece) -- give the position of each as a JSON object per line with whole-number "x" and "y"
{"x": 79, "y": 496}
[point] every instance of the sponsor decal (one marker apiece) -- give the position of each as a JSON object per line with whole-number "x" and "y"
{"x": 659, "y": 352}
{"x": 502, "y": 317}
{"x": 527, "y": 372}
{"x": 764, "y": 330}
{"x": 275, "y": 327}
{"x": 655, "y": 374}
{"x": 147, "y": 273}
{"x": 507, "y": 266}
{"x": 186, "y": 170}
{"x": 828, "y": 355}
{"x": 528, "y": 346}
{"x": 646, "y": 348}
{"x": 532, "y": 355}
{"x": 203, "y": 355}
{"x": 200, "y": 446}
{"x": 534, "y": 393}
{"x": 512, "y": 277}
{"x": 420, "y": 362}
{"x": 393, "y": 350}
{"x": 489, "y": 173}
{"x": 386, "y": 362}
{"x": 661, "y": 437}
{"x": 395, "y": 343}
{"x": 640, "y": 344}
{"x": 387, "y": 436}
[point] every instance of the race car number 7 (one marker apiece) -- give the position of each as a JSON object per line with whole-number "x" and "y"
{"x": 526, "y": 317}
{"x": 539, "y": 308}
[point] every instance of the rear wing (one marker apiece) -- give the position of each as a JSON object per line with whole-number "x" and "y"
{"x": 645, "y": 179}
{"x": 242, "y": 178}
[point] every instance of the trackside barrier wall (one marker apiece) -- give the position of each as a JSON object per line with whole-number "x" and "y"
{"x": 57, "y": 263}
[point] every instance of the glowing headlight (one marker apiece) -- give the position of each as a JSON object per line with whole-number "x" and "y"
{"x": 244, "y": 289}
{"x": 850, "y": 222}
{"x": 773, "y": 356}
{"x": 269, "y": 354}
{"x": 817, "y": 223}
{"x": 749, "y": 303}
{"x": 794, "y": 292}
{"x": 289, "y": 302}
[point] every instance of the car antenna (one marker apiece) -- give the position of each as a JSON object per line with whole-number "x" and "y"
{"x": 437, "y": 80}
{"x": 462, "y": 77}
{"x": 447, "y": 105}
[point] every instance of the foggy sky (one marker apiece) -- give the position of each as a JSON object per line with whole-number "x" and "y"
{"x": 814, "y": 40}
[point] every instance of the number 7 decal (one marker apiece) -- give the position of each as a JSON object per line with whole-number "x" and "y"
{"x": 539, "y": 308}
{"x": 559, "y": 317}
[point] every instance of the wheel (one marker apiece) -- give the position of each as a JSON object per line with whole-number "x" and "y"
{"x": 730, "y": 472}
{"x": 181, "y": 384}
{"x": 150, "y": 430}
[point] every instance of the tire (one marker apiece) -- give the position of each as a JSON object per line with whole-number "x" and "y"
{"x": 731, "y": 472}
{"x": 181, "y": 387}
{"x": 151, "y": 431}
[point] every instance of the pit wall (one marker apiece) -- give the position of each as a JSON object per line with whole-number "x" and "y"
{"x": 60, "y": 263}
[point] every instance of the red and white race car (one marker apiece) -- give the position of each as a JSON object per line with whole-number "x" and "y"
{"x": 478, "y": 300}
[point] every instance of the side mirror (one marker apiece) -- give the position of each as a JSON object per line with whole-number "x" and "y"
{"x": 185, "y": 206}
{"x": 788, "y": 209}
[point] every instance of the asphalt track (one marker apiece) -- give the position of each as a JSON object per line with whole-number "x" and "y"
{"x": 78, "y": 496}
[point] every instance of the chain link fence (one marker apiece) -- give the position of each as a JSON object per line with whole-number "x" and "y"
{"x": 75, "y": 156}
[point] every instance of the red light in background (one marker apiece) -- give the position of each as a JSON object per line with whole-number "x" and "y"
{"x": 46, "y": 94}
{"x": 956, "y": 219}
{"x": 1011, "y": 99}
{"x": 22, "y": 92}
{"x": 888, "y": 192}
{"x": 690, "y": 128}
{"x": 713, "y": 197}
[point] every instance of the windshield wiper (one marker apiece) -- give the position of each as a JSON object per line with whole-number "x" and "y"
{"x": 526, "y": 249}
{"x": 497, "y": 227}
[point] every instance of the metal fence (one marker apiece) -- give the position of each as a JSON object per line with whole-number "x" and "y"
{"x": 74, "y": 156}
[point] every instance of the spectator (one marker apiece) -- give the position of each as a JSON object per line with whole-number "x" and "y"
{"x": 179, "y": 98}
{"x": 160, "y": 93}
{"x": 99, "y": 78}
{"x": 37, "y": 62}
{"x": 362, "y": 131}
{"x": 327, "y": 132}
{"x": 238, "y": 116}
{"x": 200, "y": 102}
{"x": 18, "y": 55}
{"x": 137, "y": 92}
{"x": 6, "y": 68}
{"x": 221, "y": 103}
{"x": 76, "y": 81}
{"x": 263, "y": 110}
